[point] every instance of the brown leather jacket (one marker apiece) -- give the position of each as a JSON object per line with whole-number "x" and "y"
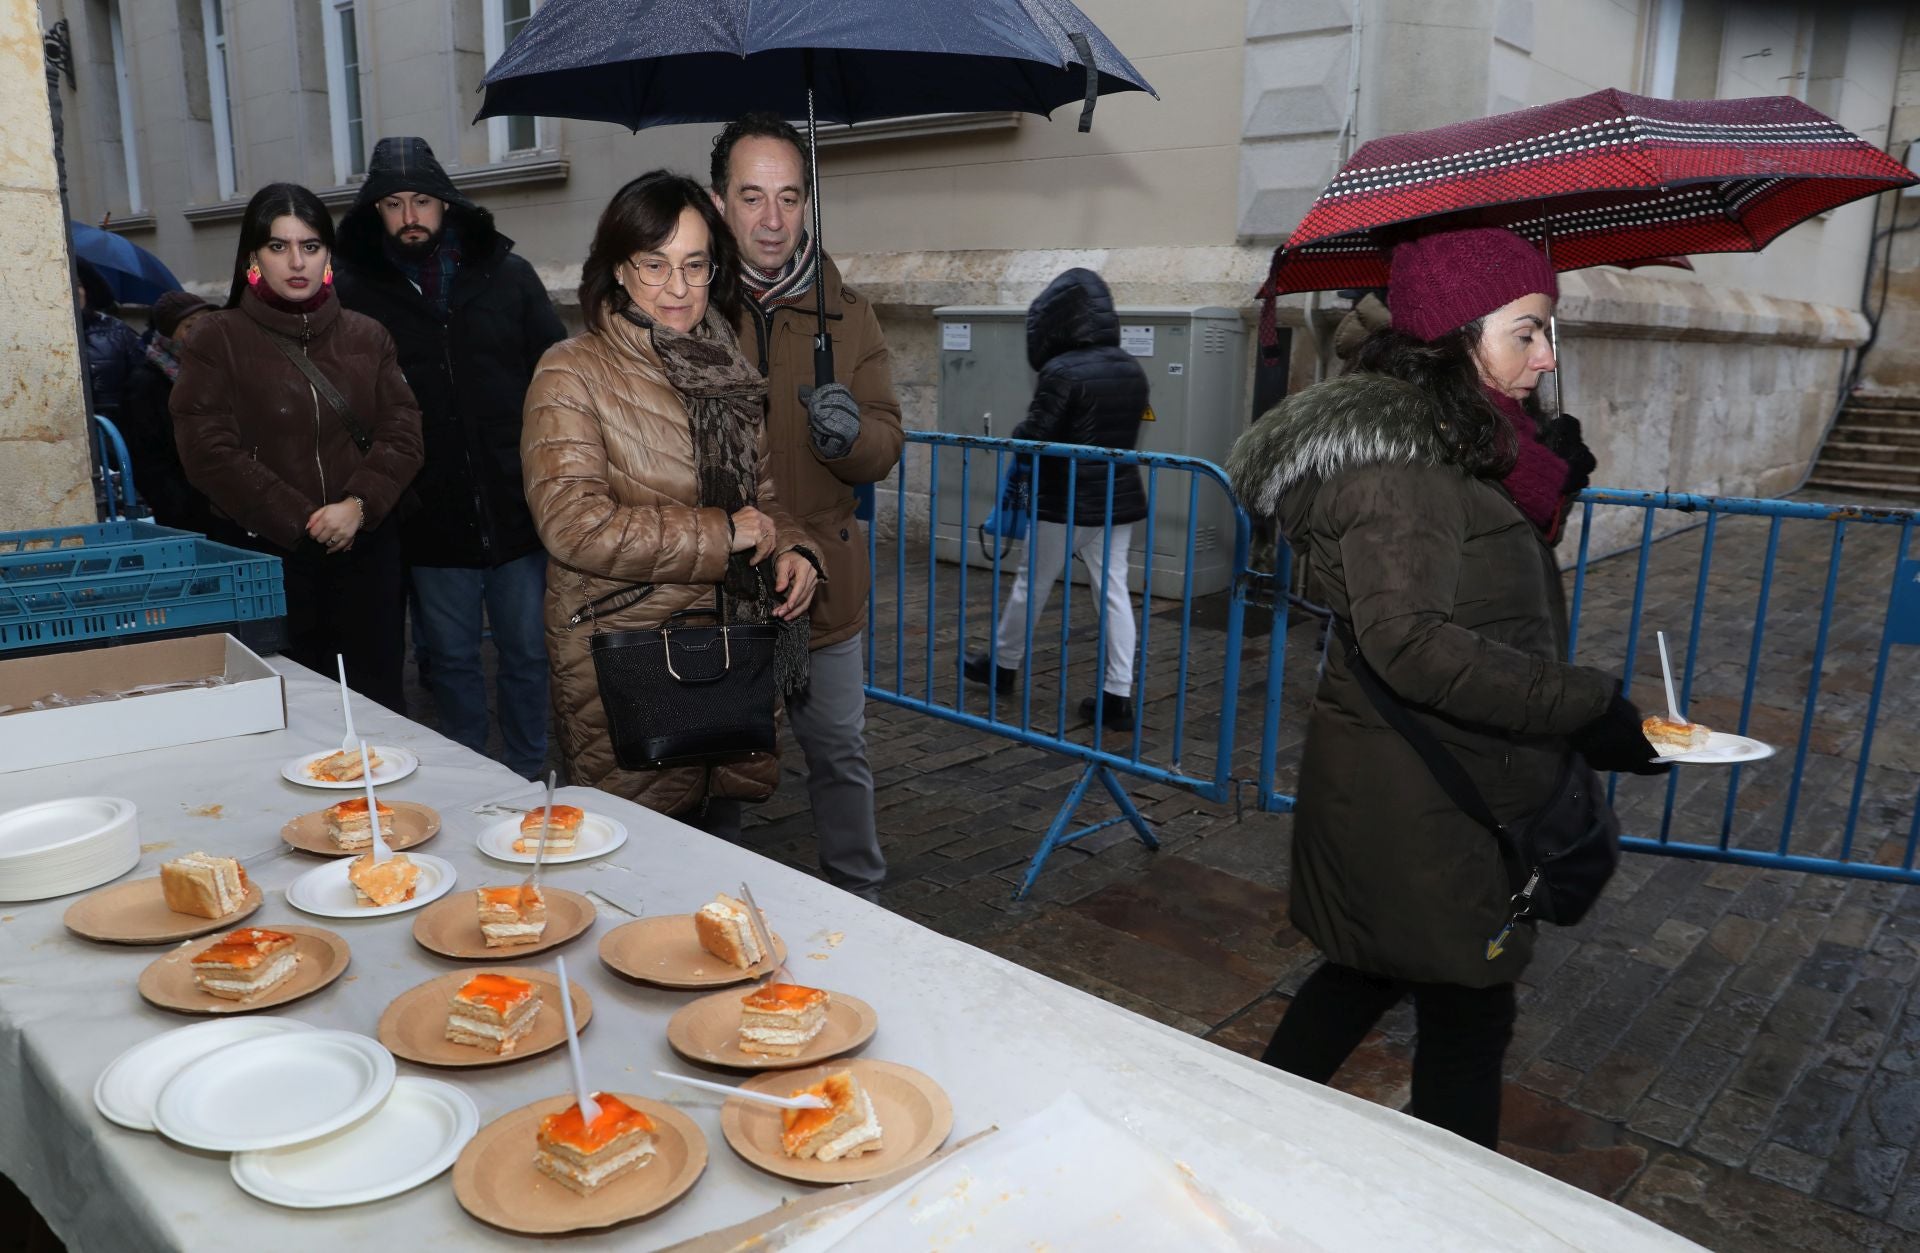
{"x": 607, "y": 452}
{"x": 257, "y": 438}
{"x": 817, "y": 492}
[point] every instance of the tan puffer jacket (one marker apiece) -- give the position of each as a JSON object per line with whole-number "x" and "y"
{"x": 607, "y": 452}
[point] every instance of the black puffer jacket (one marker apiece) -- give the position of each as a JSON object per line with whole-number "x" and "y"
{"x": 1089, "y": 392}
{"x": 113, "y": 353}
{"x": 469, "y": 370}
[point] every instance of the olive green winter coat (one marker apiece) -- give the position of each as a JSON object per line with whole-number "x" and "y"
{"x": 1457, "y": 605}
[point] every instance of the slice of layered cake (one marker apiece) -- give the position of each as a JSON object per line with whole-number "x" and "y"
{"x": 781, "y": 1019}
{"x": 203, "y": 885}
{"x": 245, "y": 963}
{"x": 343, "y": 766}
{"x": 350, "y": 826}
{"x": 847, "y": 1128}
{"x": 584, "y": 1157}
{"x": 493, "y": 1012}
{"x": 385, "y": 883}
{"x": 516, "y": 915}
{"x": 726, "y": 931}
{"x": 561, "y": 835}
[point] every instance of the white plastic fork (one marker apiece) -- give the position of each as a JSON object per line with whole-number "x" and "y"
{"x": 532, "y": 881}
{"x": 348, "y": 740}
{"x": 804, "y": 1101}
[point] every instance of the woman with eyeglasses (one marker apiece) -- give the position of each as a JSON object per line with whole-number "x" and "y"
{"x": 644, "y": 451}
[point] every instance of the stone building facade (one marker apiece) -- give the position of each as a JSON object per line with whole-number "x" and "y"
{"x": 1722, "y": 380}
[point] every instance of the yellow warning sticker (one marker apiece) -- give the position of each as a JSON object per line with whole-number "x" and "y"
{"x": 1148, "y": 415}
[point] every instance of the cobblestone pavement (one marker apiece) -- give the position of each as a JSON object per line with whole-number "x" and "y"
{"x": 1732, "y": 1051}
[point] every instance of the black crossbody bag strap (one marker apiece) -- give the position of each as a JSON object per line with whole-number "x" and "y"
{"x": 1443, "y": 765}
{"x": 328, "y": 392}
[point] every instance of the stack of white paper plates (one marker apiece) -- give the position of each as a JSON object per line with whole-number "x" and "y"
{"x": 63, "y": 846}
{"x": 274, "y": 1090}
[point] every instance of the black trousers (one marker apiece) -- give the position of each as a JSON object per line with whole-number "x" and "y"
{"x": 352, "y": 603}
{"x": 1460, "y": 1040}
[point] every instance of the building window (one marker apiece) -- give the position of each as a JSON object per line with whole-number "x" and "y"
{"x": 342, "y": 40}
{"x": 1684, "y": 40}
{"x": 509, "y": 135}
{"x": 214, "y": 21}
{"x": 123, "y": 94}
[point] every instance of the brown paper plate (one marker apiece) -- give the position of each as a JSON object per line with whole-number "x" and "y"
{"x": 915, "y": 1117}
{"x": 495, "y": 1179}
{"x": 666, "y": 950}
{"x": 413, "y": 824}
{"x": 415, "y": 1025}
{"x": 708, "y": 1030}
{"x": 451, "y": 926}
{"x": 137, "y": 913}
{"x": 169, "y": 983}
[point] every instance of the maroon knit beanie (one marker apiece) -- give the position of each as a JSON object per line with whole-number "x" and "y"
{"x": 175, "y": 307}
{"x": 1441, "y": 282}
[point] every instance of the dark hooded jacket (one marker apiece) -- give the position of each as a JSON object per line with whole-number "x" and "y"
{"x": 1458, "y": 606}
{"x": 113, "y": 354}
{"x": 1089, "y": 392}
{"x": 469, "y": 368}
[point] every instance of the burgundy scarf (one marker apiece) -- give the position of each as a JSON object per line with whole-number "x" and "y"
{"x": 1538, "y": 480}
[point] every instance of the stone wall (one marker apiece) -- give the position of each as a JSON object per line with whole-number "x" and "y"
{"x": 44, "y": 466}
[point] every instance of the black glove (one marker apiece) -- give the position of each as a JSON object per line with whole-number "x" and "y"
{"x": 1614, "y": 741}
{"x": 1563, "y": 440}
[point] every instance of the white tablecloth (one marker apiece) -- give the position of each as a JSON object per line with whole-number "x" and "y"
{"x": 1330, "y": 1171}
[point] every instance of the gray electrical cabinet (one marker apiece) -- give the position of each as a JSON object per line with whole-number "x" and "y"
{"x": 1196, "y": 364}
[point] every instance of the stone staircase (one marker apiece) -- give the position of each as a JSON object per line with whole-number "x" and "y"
{"x": 1873, "y": 452}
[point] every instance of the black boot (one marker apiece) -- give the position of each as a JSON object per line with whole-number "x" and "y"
{"x": 976, "y": 666}
{"x": 1115, "y": 712}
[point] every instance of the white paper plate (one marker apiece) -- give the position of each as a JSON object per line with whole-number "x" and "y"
{"x": 57, "y": 847}
{"x": 418, "y": 1133}
{"x": 274, "y": 1091}
{"x": 127, "y": 1089}
{"x": 395, "y": 764}
{"x": 326, "y": 890}
{"x": 598, "y": 836}
{"x": 1723, "y": 748}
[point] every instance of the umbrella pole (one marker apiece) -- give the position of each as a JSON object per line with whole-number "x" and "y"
{"x": 822, "y": 342}
{"x": 1553, "y": 342}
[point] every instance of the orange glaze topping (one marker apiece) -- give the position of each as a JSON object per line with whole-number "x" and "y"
{"x": 783, "y": 998}
{"x": 563, "y": 816}
{"x": 498, "y": 993}
{"x": 800, "y": 1124}
{"x": 510, "y": 897}
{"x": 245, "y": 948}
{"x": 617, "y": 1118}
{"x": 358, "y": 805}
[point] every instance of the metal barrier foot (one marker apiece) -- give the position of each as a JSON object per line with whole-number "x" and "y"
{"x": 1059, "y": 837}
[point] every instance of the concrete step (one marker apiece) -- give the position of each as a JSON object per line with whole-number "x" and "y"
{"x": 1896, "y": 419}
{"x": 1837, "y": 469}
{"x": 1840, "y": 490}
{"x": 1883, "y": 402}
{"x": 1860, "y": 452}
{"x": 1860, "y": 431}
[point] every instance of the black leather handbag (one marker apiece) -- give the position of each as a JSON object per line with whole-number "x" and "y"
{"x": 681, "y": 694}
{"x": 1559, "y": 859}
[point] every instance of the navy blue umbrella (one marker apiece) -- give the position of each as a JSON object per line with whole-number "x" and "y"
{"x": 653, "y": 62}
{"x": 135, "y": 275}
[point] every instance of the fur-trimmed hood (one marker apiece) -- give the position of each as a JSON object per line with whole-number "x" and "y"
{"x": 1342, "y": 424}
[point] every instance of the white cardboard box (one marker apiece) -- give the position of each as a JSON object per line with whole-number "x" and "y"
{"x": 253, "y": 699}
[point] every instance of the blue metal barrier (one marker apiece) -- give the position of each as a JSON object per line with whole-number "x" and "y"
{"x": 1755, "y": 657}
{"x": 116, "y": 472}
{"x": 1754, "y": 662}
{"x": 931, "y": 681}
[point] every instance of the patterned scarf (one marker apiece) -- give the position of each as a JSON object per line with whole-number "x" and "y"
{"x": 1539, "y": 477}
{"x": 159, "y": 352}
{"x": 432, "y": 273}
{"x": 726, "y": 400}
{"x": 786, "y": 285}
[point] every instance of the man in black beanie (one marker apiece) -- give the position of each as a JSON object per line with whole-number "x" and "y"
{"x": 470, "y": 320}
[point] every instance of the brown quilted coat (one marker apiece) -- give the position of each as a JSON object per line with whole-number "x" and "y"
{"x": 607, "y": 452}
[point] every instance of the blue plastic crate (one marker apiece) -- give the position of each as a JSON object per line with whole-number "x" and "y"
{"x": 78, "y": 552}
{"x": 122, "y": 579}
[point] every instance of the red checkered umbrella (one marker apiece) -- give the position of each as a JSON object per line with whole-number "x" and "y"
{"x": 1604, "y": 179}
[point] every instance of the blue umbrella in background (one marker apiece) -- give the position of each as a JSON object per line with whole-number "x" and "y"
{"x": 653, "y": 62}
{"x": 135, "y": 275}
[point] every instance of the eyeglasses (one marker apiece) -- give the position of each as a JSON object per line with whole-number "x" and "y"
{"x": 655, "y": 273}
